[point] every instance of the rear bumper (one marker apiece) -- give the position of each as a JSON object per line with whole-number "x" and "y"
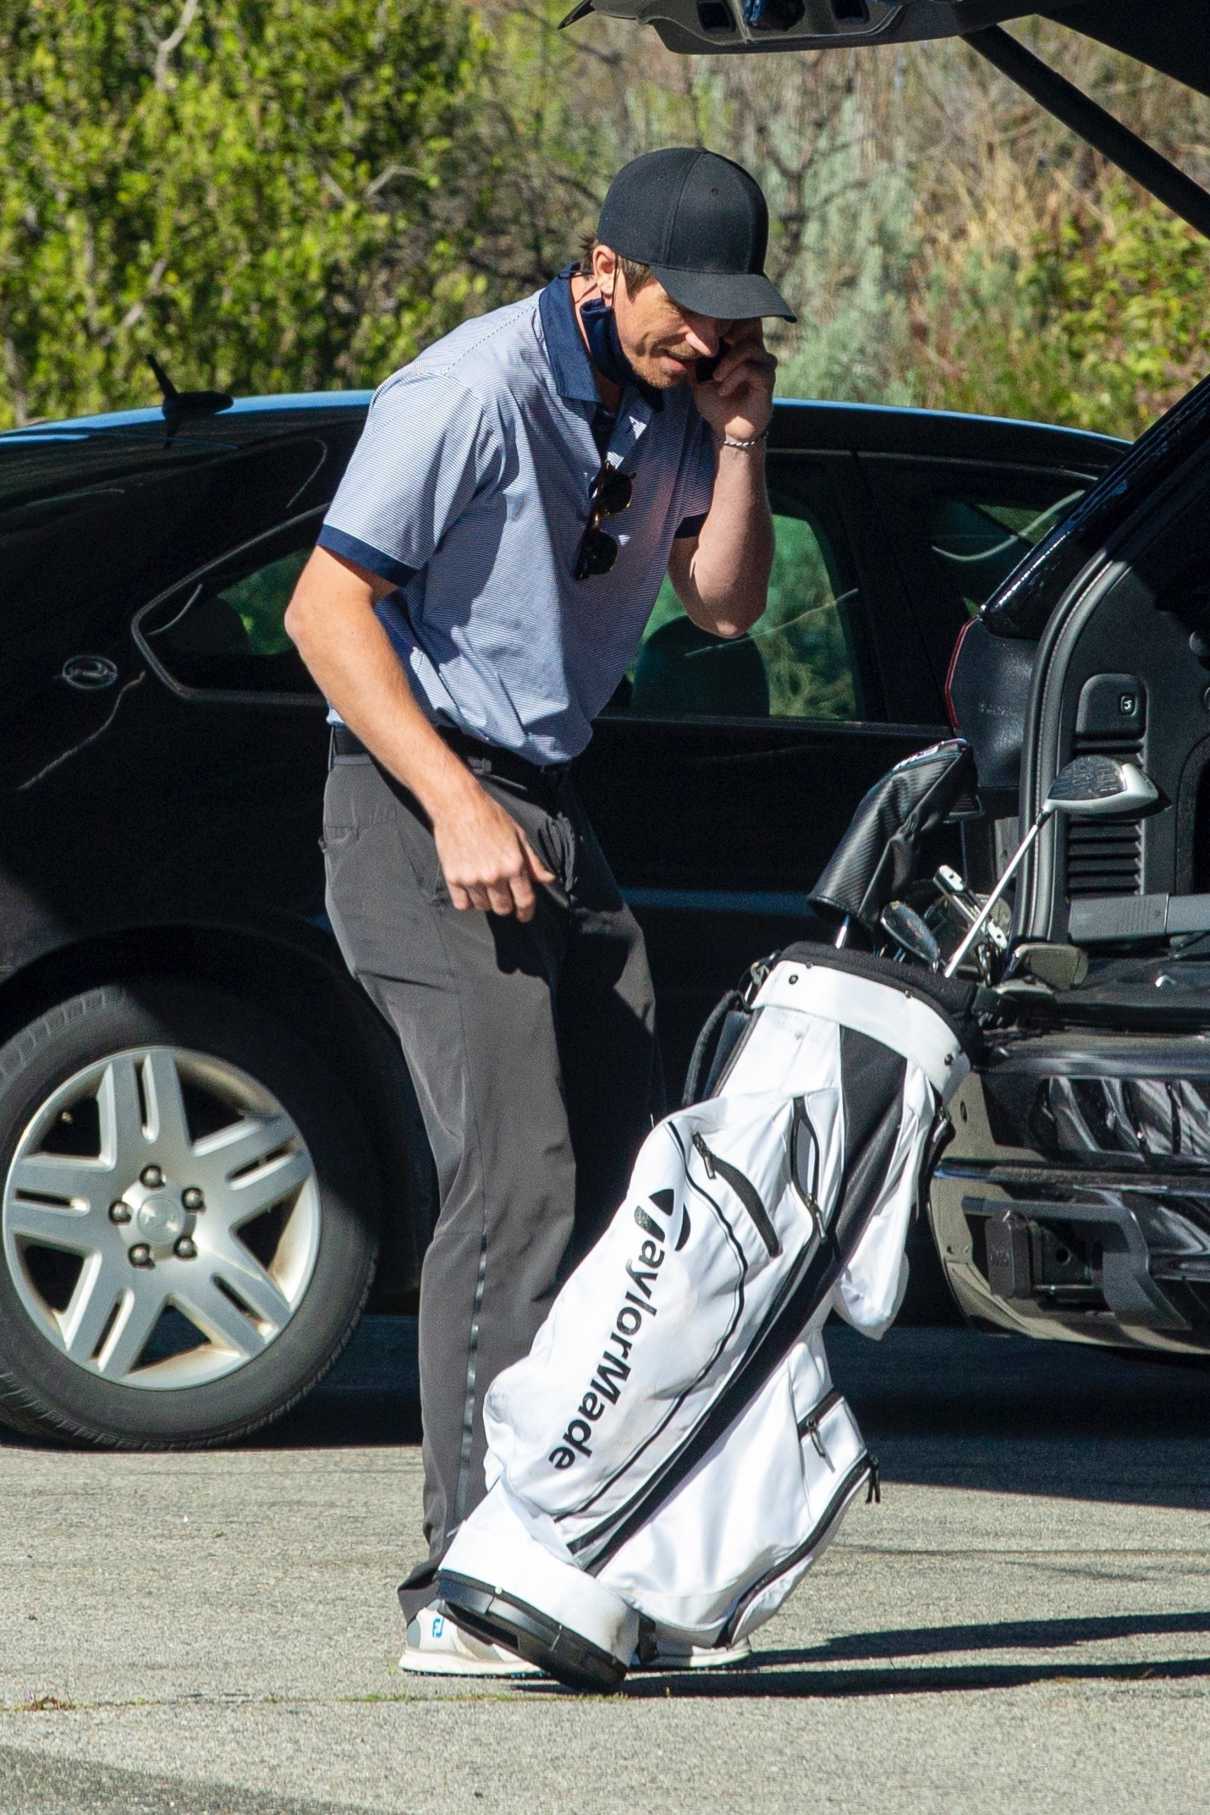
{"x": 1050, "y": 1237}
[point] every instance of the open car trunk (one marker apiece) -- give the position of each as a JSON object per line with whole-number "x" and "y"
{"x": 1169, "y": 35}
{"x": 1163, "y": 33}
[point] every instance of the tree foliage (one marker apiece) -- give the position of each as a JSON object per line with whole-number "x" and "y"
{"x": 283, "y": 194}
{"x": 1122, "y": 295}
{"x": 270, "y": 194}
{"x": 1045, "y": 284}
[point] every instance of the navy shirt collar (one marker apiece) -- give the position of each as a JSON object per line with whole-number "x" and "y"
{"x": 575, "y": 380}
{"x": 565, "y": 348}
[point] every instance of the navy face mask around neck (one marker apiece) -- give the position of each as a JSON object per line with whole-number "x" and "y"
{"x": 605, "y": 346}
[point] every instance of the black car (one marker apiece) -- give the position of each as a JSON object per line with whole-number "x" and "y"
{"x": 205, "y": 1130}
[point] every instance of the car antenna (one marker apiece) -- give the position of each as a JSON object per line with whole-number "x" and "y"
{"x": 179, "y": 404}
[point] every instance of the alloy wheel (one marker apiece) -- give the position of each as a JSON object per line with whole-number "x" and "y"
{"x": 161, "y": 1218}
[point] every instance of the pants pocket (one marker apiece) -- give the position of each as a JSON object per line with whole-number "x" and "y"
{"x": 554, "y": 840}
{"x": 334, "y": 839}
{"x": 420, "y": 848}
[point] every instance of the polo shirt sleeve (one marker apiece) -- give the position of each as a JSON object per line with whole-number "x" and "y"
{"x": 425, "y": 452}
{"x": 701, "y": 487}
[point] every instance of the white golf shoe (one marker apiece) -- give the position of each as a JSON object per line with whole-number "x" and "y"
{"x": 434, "y": 1646}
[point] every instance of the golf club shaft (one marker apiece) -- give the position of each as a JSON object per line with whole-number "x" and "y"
{"x": 972, "y": 932}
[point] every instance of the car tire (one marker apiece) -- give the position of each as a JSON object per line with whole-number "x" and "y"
{"x": 185, "y": 1245}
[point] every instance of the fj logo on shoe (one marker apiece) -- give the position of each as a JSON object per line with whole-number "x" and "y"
{"x": 613, "y": 1369}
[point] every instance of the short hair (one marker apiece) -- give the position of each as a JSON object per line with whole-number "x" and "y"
{"x": 635, "y": 274}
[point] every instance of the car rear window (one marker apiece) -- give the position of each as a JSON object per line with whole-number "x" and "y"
{"x": 92, "y": 527}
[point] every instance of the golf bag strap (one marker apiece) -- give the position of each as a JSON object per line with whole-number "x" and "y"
{"x": 714, "y": 1045}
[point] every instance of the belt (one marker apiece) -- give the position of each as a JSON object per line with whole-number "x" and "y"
{"x": 480, "y": 758}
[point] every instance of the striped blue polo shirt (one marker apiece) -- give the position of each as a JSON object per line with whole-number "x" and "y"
{"x": 469, "y": 489}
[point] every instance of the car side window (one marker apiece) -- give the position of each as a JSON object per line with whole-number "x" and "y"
{"x": 223, "y": 632}
{"x": 801, "y": 661}
{"x": 977, "y": 537}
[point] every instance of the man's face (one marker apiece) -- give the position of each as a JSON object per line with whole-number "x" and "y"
{"x": 662, "y": 341}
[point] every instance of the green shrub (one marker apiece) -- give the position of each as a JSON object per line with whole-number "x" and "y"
{"x": 1101, "y": 323}
{"x": 269, "y": 194}
{"x": 1121, "y": 292}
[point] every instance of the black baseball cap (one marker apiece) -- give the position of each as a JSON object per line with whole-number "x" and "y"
{"x": 701, "y": 223}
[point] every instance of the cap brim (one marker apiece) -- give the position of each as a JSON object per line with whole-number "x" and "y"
{"x": 727, "y": 295}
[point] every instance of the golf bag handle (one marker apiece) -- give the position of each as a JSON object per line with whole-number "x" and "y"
{"x": 727, "y": 1020}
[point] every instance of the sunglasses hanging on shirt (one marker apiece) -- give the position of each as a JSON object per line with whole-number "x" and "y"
{"x": 611, "y": 493}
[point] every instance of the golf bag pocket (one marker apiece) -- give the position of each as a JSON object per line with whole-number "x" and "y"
{"x": 733, "y": 1539}
{"x": 727, "y": 1204}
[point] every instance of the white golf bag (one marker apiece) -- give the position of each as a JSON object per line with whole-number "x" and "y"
{"x": 671, "y": 1456}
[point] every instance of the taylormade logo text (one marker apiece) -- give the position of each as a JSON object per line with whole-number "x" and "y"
{"x": 613, "y": 1369}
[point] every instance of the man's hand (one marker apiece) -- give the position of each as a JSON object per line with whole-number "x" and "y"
{"x": 486, "y": 859}
{"x": 738, "y": 399}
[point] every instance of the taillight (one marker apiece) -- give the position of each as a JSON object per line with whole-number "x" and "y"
{"x": 950, "y": 712}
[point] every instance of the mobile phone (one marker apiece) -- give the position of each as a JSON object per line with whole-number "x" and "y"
{"x": 706, "y": 368}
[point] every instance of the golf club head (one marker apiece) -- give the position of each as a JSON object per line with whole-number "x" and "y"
{"x": 1060, "y": 967}
{"x": 904, "y": 925}
{"x": 1100, "y": 787}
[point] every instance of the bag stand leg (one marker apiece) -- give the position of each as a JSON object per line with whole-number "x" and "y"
{"x": 551, "y": 1613}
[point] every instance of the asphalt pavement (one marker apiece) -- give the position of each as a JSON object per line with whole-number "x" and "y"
{"x": 1023, "y": 1624}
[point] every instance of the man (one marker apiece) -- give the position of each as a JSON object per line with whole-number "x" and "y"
{"x": 481, "y": 584}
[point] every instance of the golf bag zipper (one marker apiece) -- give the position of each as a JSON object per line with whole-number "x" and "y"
{"x": 864, "y": 1470}
{"x": 809, "y": 1426}
{"x": 807, "y": 1188}
{"x": 744, "y": 1190}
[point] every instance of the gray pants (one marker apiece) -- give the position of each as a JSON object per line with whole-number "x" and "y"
{"x": 533, "y": 1056}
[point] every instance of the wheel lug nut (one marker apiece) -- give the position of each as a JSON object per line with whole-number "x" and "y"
{"x": 119, "y": 1212}
{"x": 151, "y": 1176}
{"x": 185, "y": 1248}
{"x": 192, "y": 1198}
{"x": 140, "y": 1255}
